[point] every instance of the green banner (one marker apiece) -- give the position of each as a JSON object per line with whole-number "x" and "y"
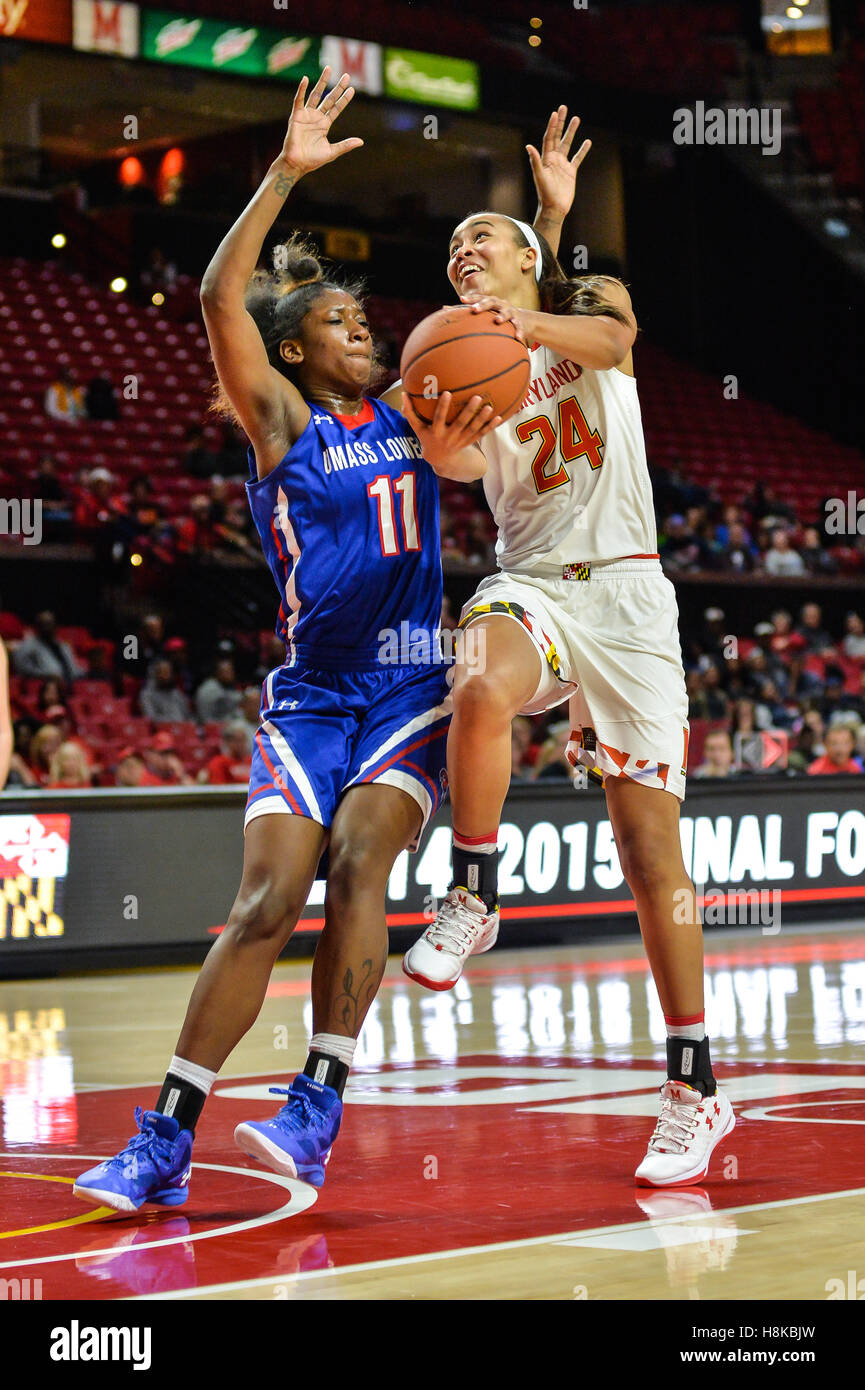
{"x": 430, "y": 79}
{"x": 167, "y": 37}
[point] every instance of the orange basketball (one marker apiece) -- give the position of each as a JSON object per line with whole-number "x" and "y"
{"x": 469, "y": 354}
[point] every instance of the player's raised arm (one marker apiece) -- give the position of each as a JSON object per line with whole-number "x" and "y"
{"x": 271, "y": 410}
{"x": 555, "y": 174}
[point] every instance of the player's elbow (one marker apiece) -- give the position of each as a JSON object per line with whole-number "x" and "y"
{"x": 215, "y": 295}
{"x": 614, "y": 344}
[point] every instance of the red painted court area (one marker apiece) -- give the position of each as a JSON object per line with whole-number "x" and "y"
{"x": 431, "y": 1157}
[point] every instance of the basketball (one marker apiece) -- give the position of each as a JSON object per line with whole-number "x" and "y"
{"x": 469, "y": 354}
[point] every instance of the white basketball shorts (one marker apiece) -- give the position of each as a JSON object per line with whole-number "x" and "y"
{"x": 611, "y": 642}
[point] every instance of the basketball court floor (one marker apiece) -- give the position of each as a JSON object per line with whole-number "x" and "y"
{"x": 489, "y": 1141}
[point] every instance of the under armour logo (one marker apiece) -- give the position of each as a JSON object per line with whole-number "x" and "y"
{"x": 321, "y": 419}
{"x": 709, "y": 1123}
{"x": 286, "y": 704}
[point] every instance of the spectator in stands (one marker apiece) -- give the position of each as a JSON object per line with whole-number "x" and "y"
{"x": 161, "y": 698}
{"x": 98, "y": 507}
{"x": 160, "y": 275}
{"x": 853, "y": 642}
{"x": 521, "y": 742}
{"x": 11, "y": 626}
{"x": 738, "y": 552}
{"x": 249, "y": 708}
{"x": 708, "y": 698}
{"x": 552, "y": 763}
{"x": 817, "y": 559}
{"x": 197, "y": 460}
{"x": 69, "y": 768}
{"x": 51, "y": 693}
{"x": 480, "y": 547}
{"x": 100, "y": 400}
{"x": 140, "y": 511}
{"x": 20, "y": 772}
{"x": 680, "y": 547}
{"x": 64, "y": 400}
{"x": 217, "y": 698}
{"x": 274, "y": 655}
{"x": 816, "y": 638}
{"x": 234, "y": 533}
{"x": 762, "y": 503}
{"x": 148, "y": 645}
{"x": 232, "y": 764}
{"x": 717, "y": 755}
{"x": 43, "y": 655}
{"x": 163, "y": 762}
{"x": 781, "y": 558}
{"x": 744, "y": 717}
{"x": 194, "y": 532}
{"x": 132, "y": 771}
{"x": 840, "y": 747}
{"x": 58, "y": 715}
{"x": 50, "y": 490}
{"x": 44, "y": 744}
{"x": 785, "y": 641}
{"x": 230, "y": 458}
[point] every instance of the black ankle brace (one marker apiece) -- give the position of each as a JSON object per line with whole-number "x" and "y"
{"x": 688, "y": 1060}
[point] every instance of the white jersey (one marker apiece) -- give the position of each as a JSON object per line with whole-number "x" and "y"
{"x": 566, "y": 478}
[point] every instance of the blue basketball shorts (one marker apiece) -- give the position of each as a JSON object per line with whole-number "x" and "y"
{"x": 322, "y": 732}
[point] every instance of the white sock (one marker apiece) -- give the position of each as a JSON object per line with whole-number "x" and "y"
{"x": 196, "y": 1076}
{"x": 334, "y": 1045}
{"x": 697, "y": 1031}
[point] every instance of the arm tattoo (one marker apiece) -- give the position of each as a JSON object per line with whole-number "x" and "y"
{"x": 284, "y": 184}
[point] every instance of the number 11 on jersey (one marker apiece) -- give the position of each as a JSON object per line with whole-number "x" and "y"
{"x": 380, "y": 489}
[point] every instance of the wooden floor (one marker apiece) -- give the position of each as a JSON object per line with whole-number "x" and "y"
{"x": 489, "y": 1140}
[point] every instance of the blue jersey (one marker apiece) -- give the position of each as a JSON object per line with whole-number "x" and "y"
{"x": 349, "y": 524}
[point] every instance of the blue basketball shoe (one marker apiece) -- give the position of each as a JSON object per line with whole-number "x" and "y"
{"x": 153, "y": 1167}
{"x": 298, "y": 1140}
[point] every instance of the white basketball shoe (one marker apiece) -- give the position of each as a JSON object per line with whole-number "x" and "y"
{"x": 464, "y": 926}
{"x": 689, "y": 1126}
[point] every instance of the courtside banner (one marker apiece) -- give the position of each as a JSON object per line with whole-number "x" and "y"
{"x": 154, "y": 868}
{"x": 431, "y": 79}
{"x": 34, "y": 857}
{"x": 106, "y": 26}
{"x": 43, "y": 21}
{"x": 168, "y": 37}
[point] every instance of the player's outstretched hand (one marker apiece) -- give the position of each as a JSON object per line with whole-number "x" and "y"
{"x": 441, "y": 440}
{"x": 306, "y": 146}
{"x": 554, "y": 173}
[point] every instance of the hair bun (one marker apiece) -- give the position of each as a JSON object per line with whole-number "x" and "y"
{"x": 295, "y": 263}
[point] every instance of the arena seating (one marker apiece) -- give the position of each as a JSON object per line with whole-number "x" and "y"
{"x": 53, "y": 319}
{"x": 833, "y": 120}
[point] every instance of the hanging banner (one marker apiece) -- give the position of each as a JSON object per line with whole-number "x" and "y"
{"x": 221, "y": 47}
{"x": 105, "y": 26}
{"x": 43, "y": 21}
{"x": 431, "y": 79}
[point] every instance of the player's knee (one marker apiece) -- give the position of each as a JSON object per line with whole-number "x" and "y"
{"x": 264, "y": 912}
{"x": 650, "y": 864}
{"x": 355, "y": 866}
{"x": 486, "y": 698}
